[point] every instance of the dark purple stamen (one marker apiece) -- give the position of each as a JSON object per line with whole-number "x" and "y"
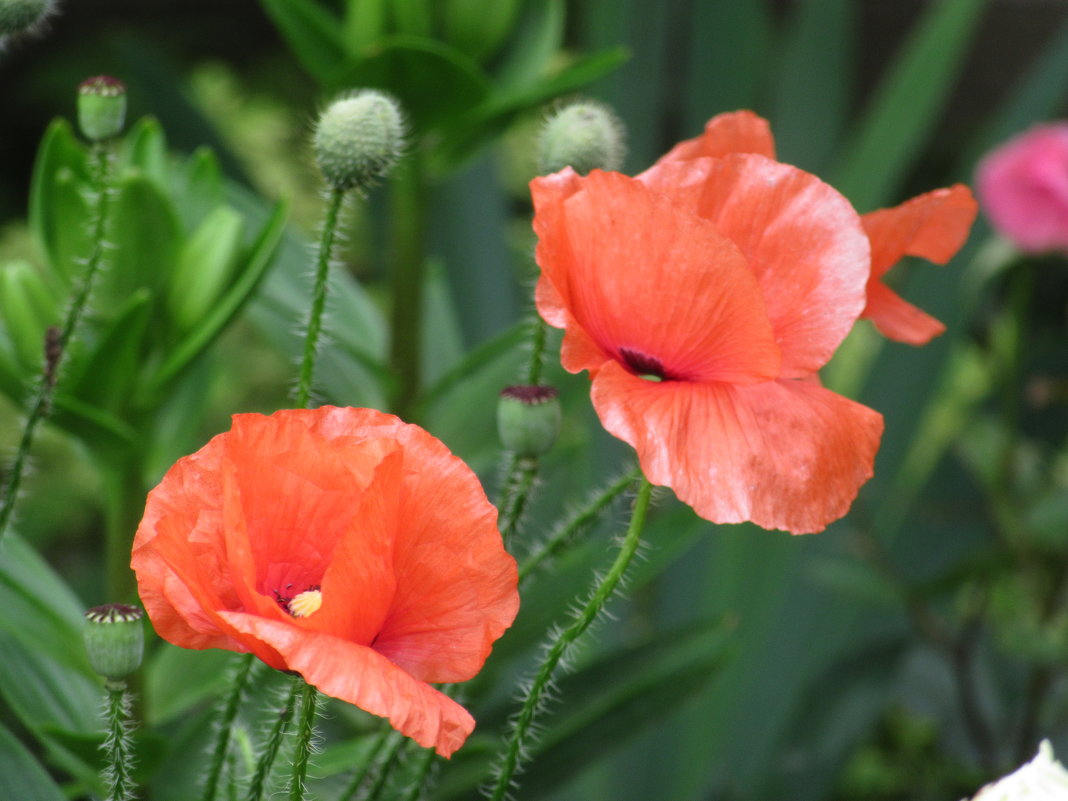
{"x": 643, "y": 365}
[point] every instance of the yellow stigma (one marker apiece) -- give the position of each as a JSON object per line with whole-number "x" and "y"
{"x": 306, "y": 603}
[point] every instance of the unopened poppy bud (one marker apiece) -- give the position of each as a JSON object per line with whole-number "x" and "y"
{"x": 114, "y": 639}
{"x": 101, "y": 107}
{"x": 359, "y": 138}
{"x": 583, "y": 136}
{"x": 17, "y": 16}
{"x": 528, "y": 419}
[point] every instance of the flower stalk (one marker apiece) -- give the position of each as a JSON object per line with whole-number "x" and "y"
{"x": 309, "y": 704}
{"x": 604, "y": 590}
{"x": 225, "y": 724}
{"x": 274, "y": 742}
{"x": 118, "y": 747}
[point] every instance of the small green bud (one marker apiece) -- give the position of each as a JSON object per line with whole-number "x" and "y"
{"x": 101, "y": 107}
{"x": 584, "y": 136}
{"x": 528, "y": 419}
{"x": 359, "y": 138}
{"x": 114, "y": 640}
{"x": 17, "y": 16}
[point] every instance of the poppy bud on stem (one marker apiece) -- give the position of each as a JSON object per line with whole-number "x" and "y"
{"x": 584, "y": 136}
{"x": 101, "y": 107}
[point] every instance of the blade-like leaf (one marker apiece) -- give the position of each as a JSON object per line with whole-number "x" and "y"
{"x": 24, "y": 778}
{"x": 313, "y": 34}
{"x": 204, "y": 265}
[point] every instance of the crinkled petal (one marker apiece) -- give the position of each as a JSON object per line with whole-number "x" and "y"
{"x": 801, "y": 238}
{"x": 732, "y": 132}
{"x": 456, "y": 585}
{"x": 640, "y": 277}
{"x": 898, "y": 319}
{"x": 361, "y": 676}
{"x": 783, "y": 454}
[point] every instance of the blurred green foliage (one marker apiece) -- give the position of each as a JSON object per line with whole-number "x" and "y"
{"x": 914, "y": 650}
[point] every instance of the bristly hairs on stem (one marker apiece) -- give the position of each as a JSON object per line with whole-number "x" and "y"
{"x": 241, "y": 676}
{"x": 118, "y": 746}
{"x": 560, "y": 645}
{"x": 57, "y": 340}
{"x": 306, "y": 738}
{"x": 273, "y": 741}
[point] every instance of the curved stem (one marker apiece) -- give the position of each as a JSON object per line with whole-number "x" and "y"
{"x": 315, "y": 316}
{"x": 585, "y": 517}
{"x": 57, "y": 340}
{"x": 522, "y": 475}
{"x": 274, "y": 741}
{"x": 225, "y": 724}
{"x": 589, "y": 612}
{"x": 309, "y": 705}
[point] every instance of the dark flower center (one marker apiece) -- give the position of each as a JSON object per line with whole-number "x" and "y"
{"x": 644, "y": 366}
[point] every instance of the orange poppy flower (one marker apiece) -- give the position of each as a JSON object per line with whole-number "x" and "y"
{"x": 932, "y": 226}
{"x": 342, "y": 544}
{"x": 703, "y": 296}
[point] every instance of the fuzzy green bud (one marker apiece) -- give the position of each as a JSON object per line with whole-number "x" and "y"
{"x": 528, "y": 419}
{"x": 101, "y": 107}
{"x": 114, "y": 640}
{"x": 17, "y": 16}
{"x": 584, "y": 136}
{"x": 359, "y": 138}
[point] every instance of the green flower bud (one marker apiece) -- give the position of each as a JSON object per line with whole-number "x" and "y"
{"x": 17, "y": 16}
{"x": 114, "y": 640}
{"x": 583, "y": 136}
{"x": 101, "y": 107}
{"x": 528, "y": 419}
{"x": 359, "y": 138}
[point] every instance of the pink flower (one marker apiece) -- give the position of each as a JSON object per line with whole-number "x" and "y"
{"x": 1023, "y": 187}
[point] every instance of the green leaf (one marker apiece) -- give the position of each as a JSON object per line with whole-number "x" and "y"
{"x": 201, "y": 189}
{"x": 45, "y": 677}
{"x": 475, "y": 360}
{"x": 107, "y": 377}
{"x": 177, "y": 679}
{"x": 433, "y": 81}
{"x": 144, "y": 151}
{"x": 27, "y": 307}
{"x": 145, "y": 233}
{"x": 24, "y": 778}
{"x": 197, "y": 340}
{"x": 57, "y": 209}
{"x": 313, "y": 34}
{"x": 476, "y": 27}
{"x": 365, "y": 21}
{"x": 537, "y": 39}
{"x": 96, "y": 427}
{"x": 204, "y": 266}
{"x": 413, "y": 17}
{"x": 904, "y": 109}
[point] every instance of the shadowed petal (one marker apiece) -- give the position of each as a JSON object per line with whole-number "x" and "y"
{"x": 783, "y": 454}
{"x": 898, "y": 319}
{"x": 359, "y": 675}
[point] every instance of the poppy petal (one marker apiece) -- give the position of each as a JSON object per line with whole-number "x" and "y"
{"x": 899, "y": 320}
{"x": 801, "y": 238}
{"x": 732, "y": 132}
{"x": 600, "y": 250}
{"x": 783, "y": 454}
{"x": 361, "y": 676}
{"x": 456, "y": 585}
{"x": 932, "y": 226}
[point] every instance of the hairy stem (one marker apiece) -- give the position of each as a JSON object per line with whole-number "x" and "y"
{"x": 589, "y": 612}
{"x": 56, "y": 342}
{"x": 315, "y": 316}
{"x": 274, "y": 741}
{"x": 225, "y": 725}
{"x": 522, "y": 476}
{"x": 309, "y": 705}
{"x": 118, "y": 748}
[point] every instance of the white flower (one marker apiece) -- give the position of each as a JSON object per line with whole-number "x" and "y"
{"x": 1041, "y": 779}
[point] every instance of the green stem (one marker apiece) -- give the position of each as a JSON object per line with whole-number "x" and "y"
{"x": 309, "y": 704}
{"x": 225, "y": 725}
{"x": 408, "y": 218}
{"x": 389, "y": 759}
{"x": 118, "y": 748}
{"x": 589, "y": 612}
{"x": 56, "y": 344}
{"x": 421, "y": 774}
{"x": 522, "y": 476}
{"x": 538, "y": 339}
{"x": 369, "y": 765}
{"x": 274, "y": 742}
{"x": 315, "y": 316}
{"x": 124, "y": 500}
{"x": 585, "y": 517}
